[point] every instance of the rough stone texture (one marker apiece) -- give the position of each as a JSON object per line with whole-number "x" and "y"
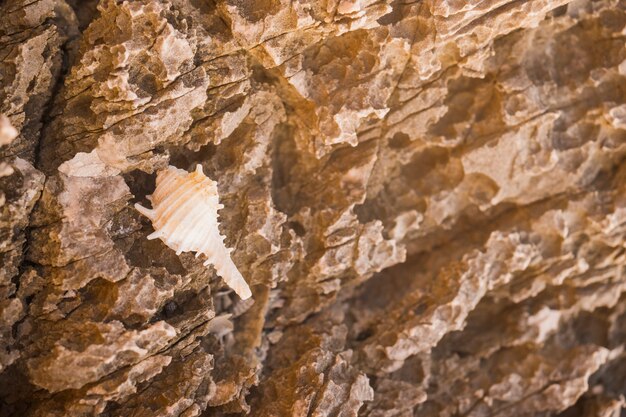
{"x": 427, "y": 198}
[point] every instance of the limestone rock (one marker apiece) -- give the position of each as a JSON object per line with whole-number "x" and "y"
{"x": 428, "y": 200}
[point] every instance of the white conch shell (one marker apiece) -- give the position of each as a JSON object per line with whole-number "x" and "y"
{"x": 184, "y": 217}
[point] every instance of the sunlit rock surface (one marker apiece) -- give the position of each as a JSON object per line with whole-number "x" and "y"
{"x": 428, "y": 200}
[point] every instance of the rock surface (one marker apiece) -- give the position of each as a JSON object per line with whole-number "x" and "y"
{"x": 428, "y": 200}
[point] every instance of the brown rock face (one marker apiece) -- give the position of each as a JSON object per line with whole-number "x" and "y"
{"x": 428, "y": 200}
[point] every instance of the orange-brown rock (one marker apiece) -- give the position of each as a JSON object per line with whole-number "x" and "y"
{"x": 427, "y": 198}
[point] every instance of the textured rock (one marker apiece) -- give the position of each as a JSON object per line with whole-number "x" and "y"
{"x": 426, "y": 198}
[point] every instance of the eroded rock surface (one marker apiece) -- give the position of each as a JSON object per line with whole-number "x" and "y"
{"x": 428, "y": 200}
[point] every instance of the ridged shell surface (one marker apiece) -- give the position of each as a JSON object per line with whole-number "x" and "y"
{"x": 184, "y": 217}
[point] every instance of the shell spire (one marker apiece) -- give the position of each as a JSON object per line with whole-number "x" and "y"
{"x": 184, "y": 216}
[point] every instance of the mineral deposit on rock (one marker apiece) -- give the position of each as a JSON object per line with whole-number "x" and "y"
{"x": 427, "y": 199}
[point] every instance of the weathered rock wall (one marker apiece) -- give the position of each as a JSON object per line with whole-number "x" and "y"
{"x": 427, "y": 198}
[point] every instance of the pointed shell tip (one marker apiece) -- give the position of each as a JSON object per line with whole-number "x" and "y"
{"x": 244, "y": 293}
{"x": 149, "y": 213}
{"x": 154, "y": 235}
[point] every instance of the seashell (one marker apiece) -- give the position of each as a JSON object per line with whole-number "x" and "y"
{"x": 184, "y": 217}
